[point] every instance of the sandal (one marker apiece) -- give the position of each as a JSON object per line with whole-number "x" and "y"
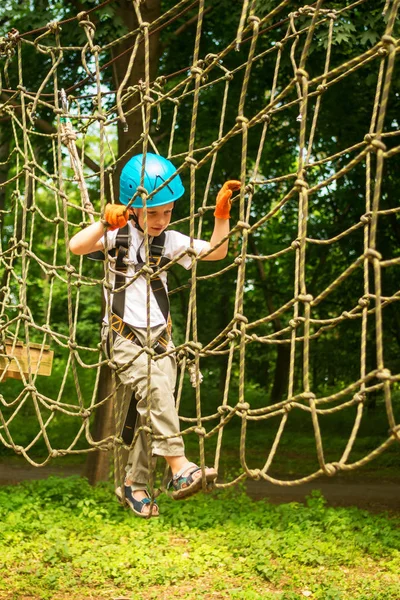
{"x": 184, "y": 486}
{"x": 136, "y": 506}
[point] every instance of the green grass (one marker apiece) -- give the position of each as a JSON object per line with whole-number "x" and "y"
{"x": 61, "y": 539}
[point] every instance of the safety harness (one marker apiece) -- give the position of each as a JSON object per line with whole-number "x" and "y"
{"x": 156, "y": 262}
{"x": 118, "y": 326}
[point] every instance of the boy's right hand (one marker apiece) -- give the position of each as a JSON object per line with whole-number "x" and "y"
{"x": 223, "y": 207}
{"x": 116, "y": 216}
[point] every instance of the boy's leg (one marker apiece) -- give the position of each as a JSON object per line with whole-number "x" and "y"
{"x": 137, "y": 466}
{"x": 164, "y": 419}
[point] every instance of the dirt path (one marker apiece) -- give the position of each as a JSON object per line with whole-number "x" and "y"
{"x": 340, "y": 491}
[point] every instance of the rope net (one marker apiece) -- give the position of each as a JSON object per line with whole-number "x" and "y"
{"x": 50, "y": 299}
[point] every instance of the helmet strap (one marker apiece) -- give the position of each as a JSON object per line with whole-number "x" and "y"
{"x": 134, "y": 218}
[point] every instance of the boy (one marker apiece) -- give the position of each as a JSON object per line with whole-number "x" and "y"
{"x": 129, "y": 316}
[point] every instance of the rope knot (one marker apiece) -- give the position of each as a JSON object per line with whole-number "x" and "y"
{"x": 388, "y": 40}
{"x": 196, "y": 71}
{"x": 255, "y": 474}
{"x": 254, "y": 19}
{"x": 201, "y": 432}
{"x": 8, "y": 43}
{"x": 243, "y": 406}
{"x": 372, "y": 254}
{"x": 53, "y": 26}
{"x": 241, "y": 119}
{"x": 322, "y": 88}
{"x": 195, "y": 346}
{"x": 330, "y": 470}
{"x": 376, "y": 145}
{"x": 359, "y": 397}
{"x": 302, "y": 73}
{"x": 191, "y": 161}
{"x": 209, "y": 58}
{"x": 308, "y": 396}
{"x": 144, "y": 25}
{"x": 346, "y": 315}
{"x": 241, "y": 318}
{"x": 147, "y": 269}
{"x": 300, "y": 183}
{"x": 231, "y": 335}
{"x": 366, "y": 218}
{"x": 242, "y": 225}
{"x": 384, "y": 374}
{"x": 142, "y": 190}
{"x": 306, "y": 298}
{"x": 363, "y": 302}
{"x": 294, "y": 323}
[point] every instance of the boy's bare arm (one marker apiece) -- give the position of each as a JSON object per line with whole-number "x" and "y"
{"x": 221, "y": 225}
{"x": 89, "y": 239}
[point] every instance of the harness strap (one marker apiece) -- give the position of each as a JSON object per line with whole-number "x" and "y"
{"x": 122, "y": 245}
{"x": 158, "y": 261}
{"x": 119, "y": 327}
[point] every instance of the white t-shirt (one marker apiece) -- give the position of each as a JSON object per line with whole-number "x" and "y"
{"x": 136, "y": 292}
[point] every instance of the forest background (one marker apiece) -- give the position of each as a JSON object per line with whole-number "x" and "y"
{"x": 344, "y": 121}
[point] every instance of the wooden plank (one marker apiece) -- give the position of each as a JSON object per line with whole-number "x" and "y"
{"x": 19, "y": 359}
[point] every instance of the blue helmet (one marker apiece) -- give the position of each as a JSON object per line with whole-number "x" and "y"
{"x": 157, "y": 170}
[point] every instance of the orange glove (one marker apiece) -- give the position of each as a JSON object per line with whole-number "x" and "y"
{"x": 223, "y": 208}
{"x": 116, "y": 216}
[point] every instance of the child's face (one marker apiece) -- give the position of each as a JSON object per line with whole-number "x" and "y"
{"x": 158, "y": 218}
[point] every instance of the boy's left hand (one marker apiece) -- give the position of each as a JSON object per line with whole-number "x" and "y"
{"x": 116, "y": 216}
{"x": 223, "y": 207}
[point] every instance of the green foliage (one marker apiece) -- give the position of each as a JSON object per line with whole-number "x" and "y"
{"x": 344, "y": 119}
{"x": 61, "y": 538}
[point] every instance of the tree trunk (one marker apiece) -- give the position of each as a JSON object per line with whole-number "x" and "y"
{"x": 97, "y": 466}
{"x": 4, "y": 152}
{"x": 282, "y": 364}
{"x": 150, "y": 11}
{"x": 98, "y": 463}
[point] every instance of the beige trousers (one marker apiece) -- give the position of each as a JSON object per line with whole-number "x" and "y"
{"x": 164, "y": 420}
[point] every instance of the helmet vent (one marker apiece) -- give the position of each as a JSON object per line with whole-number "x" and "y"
{"x": 157, "y": 183}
